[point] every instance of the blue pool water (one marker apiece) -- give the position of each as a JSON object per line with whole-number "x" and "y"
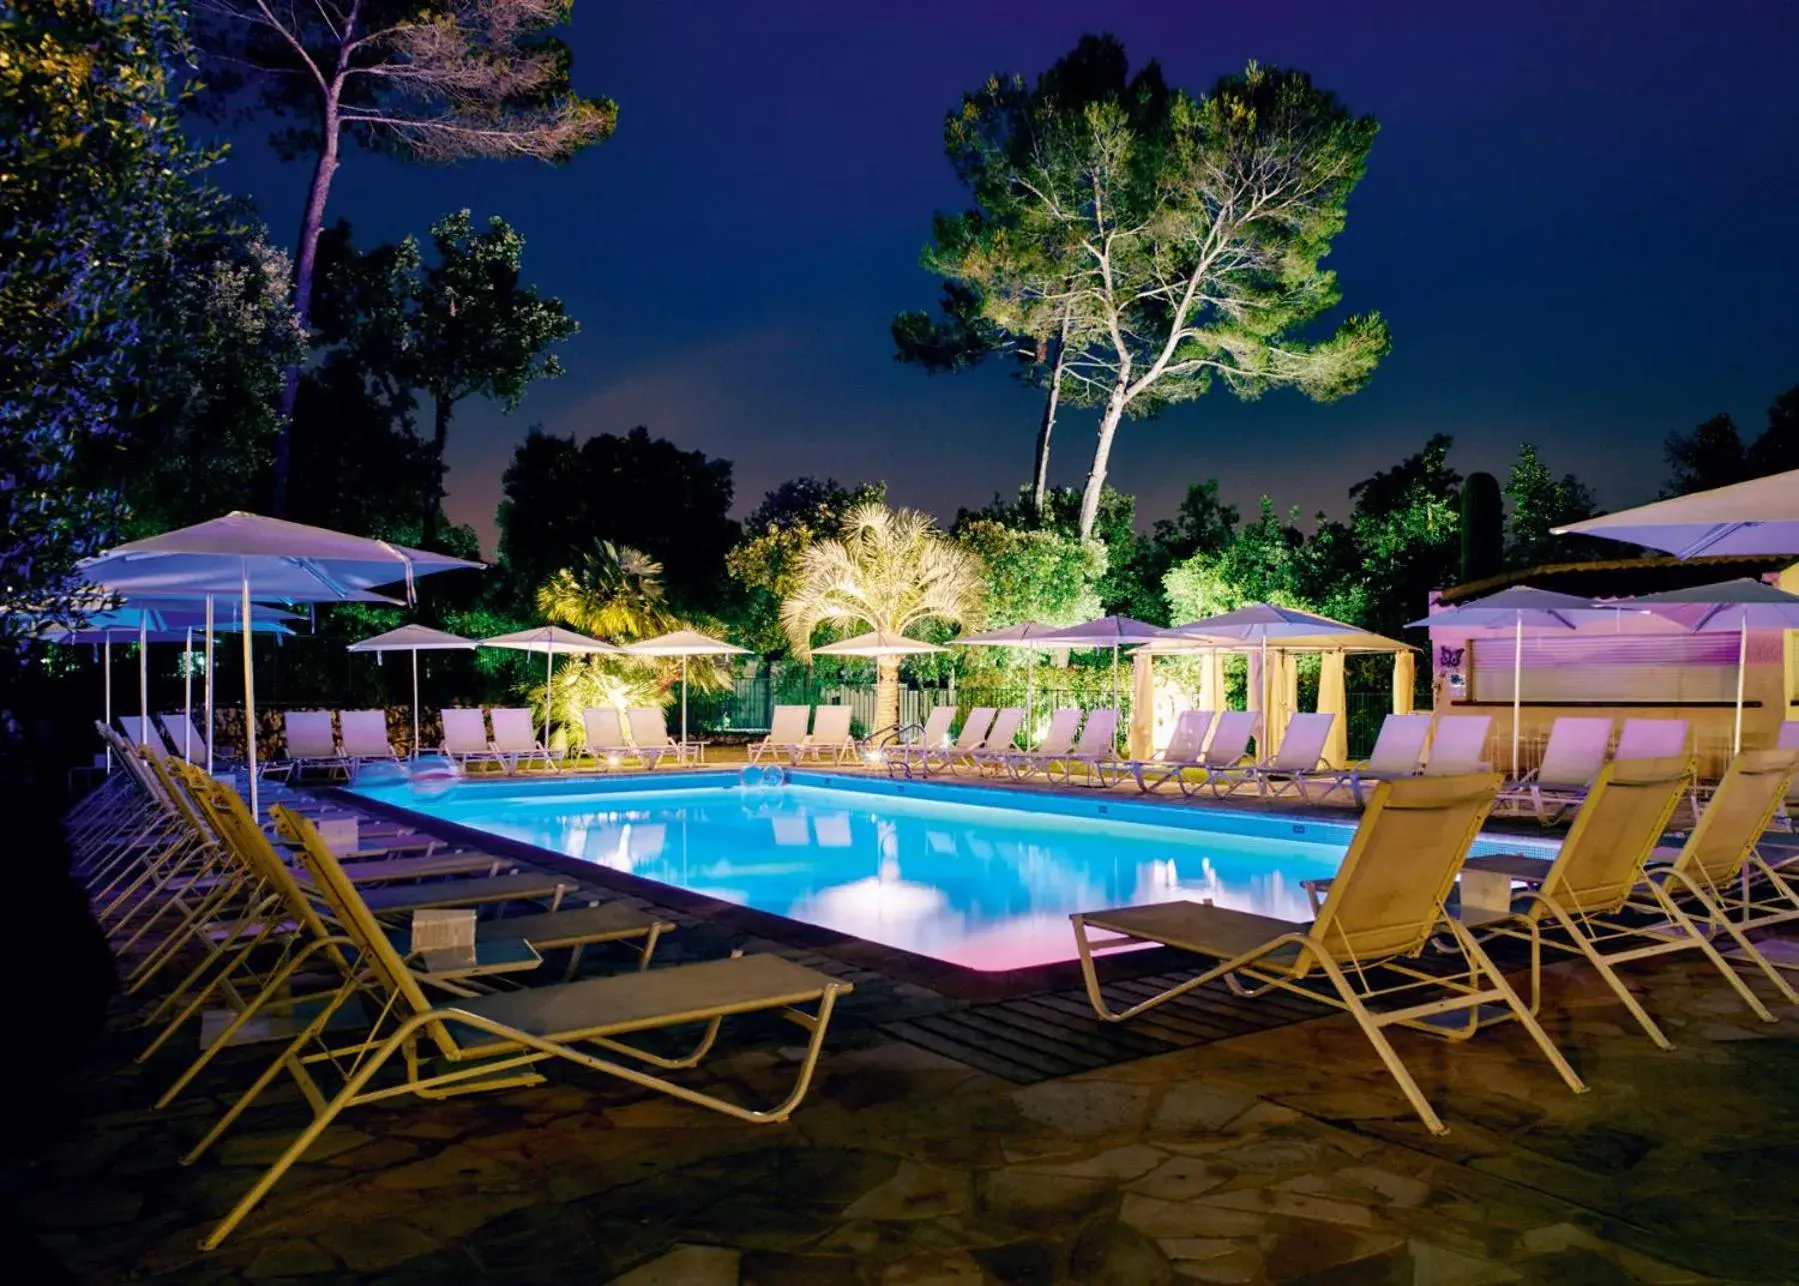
{"x": 984, "y": 879}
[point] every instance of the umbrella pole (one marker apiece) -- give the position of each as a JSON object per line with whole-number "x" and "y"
{"x": 1517, "y": 686}
{"x": 683, "y": 753}
{"x": 1736, "y": 735}
{"x": 187, "y": 698}
{"x": 250, "y": 700}
{"x": 1114, "y": 697}
{"x": 549, "y": 677}
{"x": 415, "y": 703}
{"x": 106, "y": 664}
{"x": 209, "y": 685}
{"x": 143, "y": 681}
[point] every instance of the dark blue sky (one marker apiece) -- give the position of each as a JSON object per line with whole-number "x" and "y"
{"x": 1578, "y": 219}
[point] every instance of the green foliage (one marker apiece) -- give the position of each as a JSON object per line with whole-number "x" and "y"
{"x": 561, "y": 496}
{"x": 96, "y": 180}
{"x": 615, "y": 594}
{"x": 1715, "y": 454}
{"x": 765, "y": 564}
{"x": 1270, "y": 561}
{"x": 1407, "y": 523}
{"x": 1541, "y": 501}
{"x": 1483, "y": 528}
{"x": 1035, "y": 575}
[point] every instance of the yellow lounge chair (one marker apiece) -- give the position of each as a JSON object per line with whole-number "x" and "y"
{"x": 1384, "y": 908}
{"x": 491, "y": 1042}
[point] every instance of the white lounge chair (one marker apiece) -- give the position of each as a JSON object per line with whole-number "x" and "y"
{"x": 310, "y": 742}
{"x": 1230, "y": 742}
{"x": 972, "y": 737}
{"x": 1058, "y": 740}
{"x": 515, "y": 737}
{"x": 933, "y": 742}
{"x": 1458, "y": 745}
{"x": 1300, "y": 750}
{"x": 786, "y": 733}
{"x": 365, "y": 736}
{"x": 830, "y": 736}
{"x": 1001, "y": 741}
{"x": 649, "y": 730}
{"x": 1571, "y": 760}
{"x": 183, "y": 737}
{"x": 1185, "y": 749}
{"x": 1398, "y": 752}
{"x": 606, "y": 743}
{"x": 142, "y": 732}
{"x": 465, "y": 739}
{"x": 1097, "y": 747}
{"x": 1652, "y": 739}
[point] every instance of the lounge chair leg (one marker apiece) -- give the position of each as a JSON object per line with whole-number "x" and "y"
{"x": 1650, "y": 1027}
{"x": 1389, "y": 1057}
{"x": 1484, "y": 963}
{"x": 1715, "y": 915}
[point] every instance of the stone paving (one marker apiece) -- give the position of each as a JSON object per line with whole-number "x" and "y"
{"x": 1280, "y": 1156}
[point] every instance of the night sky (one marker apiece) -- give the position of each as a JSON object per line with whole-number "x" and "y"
{"x": 1578, "y": 220}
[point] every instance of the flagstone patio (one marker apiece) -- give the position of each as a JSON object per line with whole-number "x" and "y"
{"x": 1283, "y": 1155}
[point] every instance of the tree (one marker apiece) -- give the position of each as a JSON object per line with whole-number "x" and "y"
{"x": 1181, "y": 240}
{"x": 1035, "y": 575}
{"x": 1407, "y": 522}
{"x": 96, "y": 179}
{"x": 1271, "y": 560}
{"x": 1711, "y": 455}
{"x": 887, "y": 570}
{"x": 766, "y": 562}
{"x": 436, "y": 80}
{"x": 631, "y": 489}
{"x": 616, "y": 594}
{"x": 1777, "y": 449}
{"x": 1540, "y": 502}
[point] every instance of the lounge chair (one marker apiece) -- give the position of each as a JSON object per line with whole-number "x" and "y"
{"x": 1230, "y": 743}
{"x": 1458, "y": 745}
{"x": 465, "y": 739}
{"x": 606, "y": 743}
{"x": 1573, "y": 757}
{"x": 1185, "y": 750}
{"x": 786, "y": 733}
{"x": 140, "y": 731}
{"x": 1000, "y": 741}
{"x": 184, "y": 738}
{"x": 1652, "y": 739}
{"x": 365, "y": 737}
{"x": 308, "y": 741}
{"x": 487, "y": 1042}
{"x": 972, "y": 737}
{"x": 1590, "y": 900}
{"x": 1721, "y": 878}
{"x": 515, "y": 738}
{"x": 1300, "y": 751}
{"x": 649, "y": 732}
{"x": 830, "y": 736}
{"x": 1097, "y": 747}
{"x": 1385, "y": 907}
{"x": 1058, "y": 740}
{"x": 1398, "y": 752}
{"x": 933, "y": 741}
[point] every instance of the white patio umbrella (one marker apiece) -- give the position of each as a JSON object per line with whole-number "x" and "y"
{"x": 683, "y": 643}
{"x": 1517, "y": 607}
{"x": 251, "y": 556}
{"x": 877, "y": 643}
{"x": 1026, "y": 635}
{"x": 549, "y": 640}
{"x": 1103, "y": 632}
{"x": 1760, "y": 516}
{"x": 414, "y": 639}
{"x": 1732, "y": 605}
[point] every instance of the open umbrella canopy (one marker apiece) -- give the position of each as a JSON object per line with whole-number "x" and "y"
{"x": 877, "y": 643}
{"x": 1260, "y": 621}
{"x": 1026, "y": 634}
{"x": 1727, "y": 606}
{"x": 1760, "y": 516}
{"x": 279, "y": 559}
{"x": 683, "y": 643}
{"x": 100, "y": 632}
{"x": 413, "y": 638}
{"x": 1102, "y": 631}
{"x": 548, "y": 639}
{"x": 1536, "y": 608}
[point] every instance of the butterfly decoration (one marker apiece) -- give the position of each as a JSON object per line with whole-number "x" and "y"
{"x": 1450, "y": 658}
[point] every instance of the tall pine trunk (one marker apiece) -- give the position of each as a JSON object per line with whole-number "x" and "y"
{"x": 434, "y": 494}
{"x": 312, "y": 221}
{"x": 1040, "y": 476}
{"x": 1102, "y": 454}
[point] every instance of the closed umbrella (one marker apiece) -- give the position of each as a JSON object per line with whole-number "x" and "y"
{"x": 414, "y": 639}
{"x": 1518, "y": 608}
{"x": 250, "y": 555}
{"x": 683, "y": 643}
{"x": 1731, "y": 606}
{"x": 1760, "y": 516}
{"x": 549, "y": 640}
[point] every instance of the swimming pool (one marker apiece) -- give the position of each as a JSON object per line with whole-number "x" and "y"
{"x": 980, "y": 878}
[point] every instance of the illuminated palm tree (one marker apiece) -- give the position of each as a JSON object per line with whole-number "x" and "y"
{"x": 888, "y": 570}
{"x": 616, "y": 594}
